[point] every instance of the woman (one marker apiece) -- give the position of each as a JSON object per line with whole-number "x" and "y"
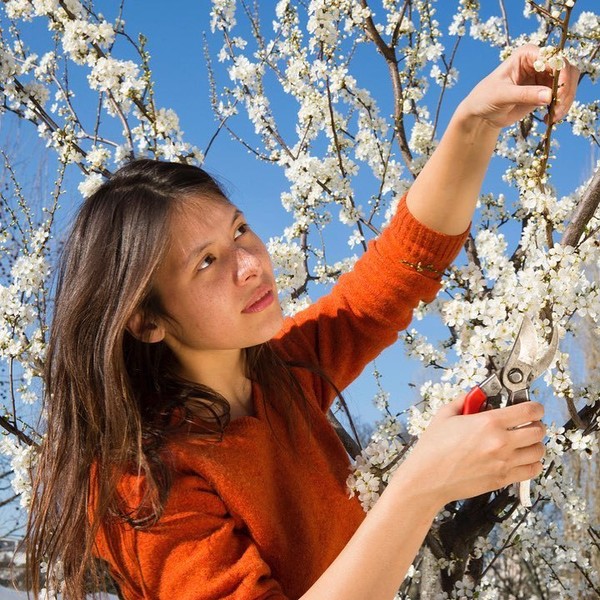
{"x": 188, "y": 444}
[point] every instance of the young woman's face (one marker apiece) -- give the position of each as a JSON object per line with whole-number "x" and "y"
{"x": 216, "y": 282}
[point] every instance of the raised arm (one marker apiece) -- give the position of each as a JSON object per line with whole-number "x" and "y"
{"x": 444, "y": 194}
{"x": 458, "y": 456}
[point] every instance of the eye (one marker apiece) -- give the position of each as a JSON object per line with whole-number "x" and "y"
{"x": 208, "y": 260}
{"x": 240, "y": 230}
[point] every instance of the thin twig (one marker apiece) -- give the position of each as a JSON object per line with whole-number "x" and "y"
{"x": 505, "y": 22}
{"x": 444, "y": 86}
{"x": 506, "y": 542}
{"x": 550, "y": 125}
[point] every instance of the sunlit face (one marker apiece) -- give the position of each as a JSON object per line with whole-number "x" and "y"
{"x": 216, "y": 282}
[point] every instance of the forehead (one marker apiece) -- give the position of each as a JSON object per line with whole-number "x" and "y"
{"x": 192, "y": 212}
{"x": 194, "y": 222}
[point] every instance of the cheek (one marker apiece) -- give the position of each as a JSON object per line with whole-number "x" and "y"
{"x": 257, "y": 247}
{"x": 203, "y": 322}
{"x": 265, "y": 258}
{"x": 193, "y": 307}
{"x": 206, "y": 305}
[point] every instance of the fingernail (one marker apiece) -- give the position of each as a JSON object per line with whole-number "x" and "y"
{"x": 545, "y": 96}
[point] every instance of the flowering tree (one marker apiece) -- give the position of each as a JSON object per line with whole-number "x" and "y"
{"x": 531, "y": 250}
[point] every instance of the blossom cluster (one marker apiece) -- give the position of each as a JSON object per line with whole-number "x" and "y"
{"x": 21, "y": 335}
{"x": 549, "y": 59}
{"x": 35, "y": 88}
{"x": 372, "y": 469}
{"x": 22, "y": 460}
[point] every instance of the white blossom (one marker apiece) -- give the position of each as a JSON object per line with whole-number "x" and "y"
{"x": 28, "y": 272}
{"x": 584, "y": 118}
{"x": 222, "y": 15}
{"x": 90, "y": 184}
{"x": 421, "y": 138}
{"x": 372, "y": 469}
{"x": 119, "y": 77}
{"x": 79, "y": 34}
{"x": 549, "y": 58}
{"x": 97, "y": 157}
{"x": 22, "y": 459}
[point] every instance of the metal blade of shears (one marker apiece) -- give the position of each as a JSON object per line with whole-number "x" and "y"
{"x": 542, "y": 363}
{"x": 522, "y": 367}
{"x": 523, "y": 364}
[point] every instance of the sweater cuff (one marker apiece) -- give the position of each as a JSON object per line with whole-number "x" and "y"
{"x": 423, "y": 249}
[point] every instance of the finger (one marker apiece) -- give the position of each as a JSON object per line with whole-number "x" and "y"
{"x": 530, "y": 96}
{"x": 525, "y": 56}
{"x": 567, "y": 87}
{"x": 524, "y": 68}
{"x": 524, "y": 472}
{"x": 529, "y": 434}
{"x": 516, "y": 415}
{"x": 453, "y": 408}
{"x": 531, "y": 454}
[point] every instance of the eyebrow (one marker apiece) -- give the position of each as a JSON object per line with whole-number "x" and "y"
{"x": 200, "y": 248}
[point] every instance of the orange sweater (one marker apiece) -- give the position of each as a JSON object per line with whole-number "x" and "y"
{"x": 262, "y": 514}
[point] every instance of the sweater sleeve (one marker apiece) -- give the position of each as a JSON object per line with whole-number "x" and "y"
{"x": 346, "y": 329}
{"x": 196, "y": 551}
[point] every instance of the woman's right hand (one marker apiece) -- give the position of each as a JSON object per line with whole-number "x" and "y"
{"x": 458, "y": 456}
{"x": 461, "y": 456}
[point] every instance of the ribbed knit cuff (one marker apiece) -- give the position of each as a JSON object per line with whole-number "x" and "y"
{"x": 427, "y": 251}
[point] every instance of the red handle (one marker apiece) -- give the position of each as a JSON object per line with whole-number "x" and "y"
{"x": 474, "y": 401}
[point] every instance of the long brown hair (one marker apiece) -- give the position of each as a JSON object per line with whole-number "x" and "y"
{"x": 109, "y": 397}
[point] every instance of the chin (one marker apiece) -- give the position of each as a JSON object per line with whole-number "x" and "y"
{"x": 270, "y": 331}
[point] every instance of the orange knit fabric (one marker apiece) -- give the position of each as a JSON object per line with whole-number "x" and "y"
{"x": 263, "y": 513}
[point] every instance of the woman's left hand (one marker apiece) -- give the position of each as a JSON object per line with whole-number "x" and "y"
{"x": 515, "y": 88}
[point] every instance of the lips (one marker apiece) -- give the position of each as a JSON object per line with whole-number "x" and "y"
{"x": 260, "y": 300}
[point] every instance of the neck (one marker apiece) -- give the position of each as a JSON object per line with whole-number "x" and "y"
{"x": 225, "y": 372}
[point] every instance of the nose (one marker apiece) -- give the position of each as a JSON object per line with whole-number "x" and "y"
{"x": 248, "y": 265}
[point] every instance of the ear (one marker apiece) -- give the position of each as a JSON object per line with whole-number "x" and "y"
{"x": 144, "y": 330}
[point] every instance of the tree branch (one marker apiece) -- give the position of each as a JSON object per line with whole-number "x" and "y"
{"x": 389, "y": 55}
{"x": 8, "y": 426}
{"x": 585, "y": 210}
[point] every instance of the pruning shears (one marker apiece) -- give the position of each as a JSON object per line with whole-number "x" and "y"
{"x": 512, "y": 380}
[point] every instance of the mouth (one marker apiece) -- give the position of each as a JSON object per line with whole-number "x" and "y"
{"x": 263, "y": 298}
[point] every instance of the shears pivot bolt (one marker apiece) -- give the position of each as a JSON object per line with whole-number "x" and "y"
{"x": 515, "y": 376}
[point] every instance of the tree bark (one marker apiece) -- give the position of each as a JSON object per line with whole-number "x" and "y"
{"x": 584, "y": 212}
